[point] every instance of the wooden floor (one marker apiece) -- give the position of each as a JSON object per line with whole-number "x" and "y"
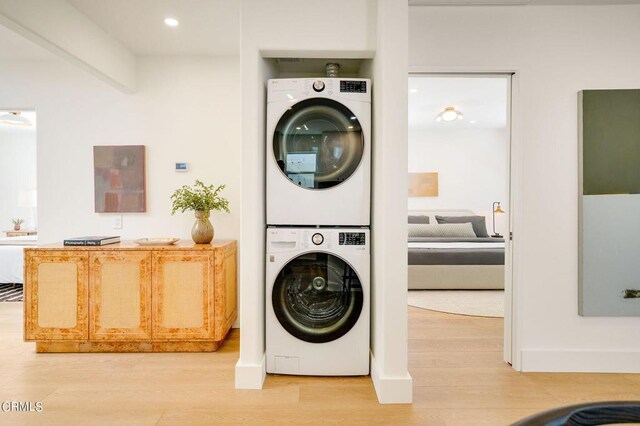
{"x": 455, "y": 361}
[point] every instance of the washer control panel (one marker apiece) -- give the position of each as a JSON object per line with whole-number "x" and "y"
{"x": 340, "y": 240}
{"x": 351, "y": 239}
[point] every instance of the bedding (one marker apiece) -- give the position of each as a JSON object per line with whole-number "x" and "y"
{"x": 12, "y": 257}
{"x": 25, "y": 240}
{"x": 478, "y": 223}
{"x": 469, "y": 262}
{"x": 452, "y": 230}
{"x": 418, "y": 218}
{"x": 456, "y": 253}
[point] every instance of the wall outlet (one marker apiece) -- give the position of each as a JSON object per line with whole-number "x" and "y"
{"x": 116, "y": 221}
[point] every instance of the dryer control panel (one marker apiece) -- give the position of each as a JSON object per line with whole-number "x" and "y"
{"x": 292, "y": 90}
{"x": 353, "y": 86}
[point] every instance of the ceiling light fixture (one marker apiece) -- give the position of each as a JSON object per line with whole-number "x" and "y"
{"x": 15, "y": 119}
{"x": 449, "y": 114}
{"x": 413, "y": 90}
{"x": 171, "y": 22}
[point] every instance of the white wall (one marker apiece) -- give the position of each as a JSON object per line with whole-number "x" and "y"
{"x": 389, "y": 344}
{"x": 186, "y": 109}
{"x": 471, "y": 166}
{"x": 283, "y": 28}
{"x": 556, "y": 51}
{"x": 17, "y": 172}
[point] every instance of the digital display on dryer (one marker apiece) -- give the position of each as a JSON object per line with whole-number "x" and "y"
{"x": 351, "y": 239}
{"x": 351, "y": 86}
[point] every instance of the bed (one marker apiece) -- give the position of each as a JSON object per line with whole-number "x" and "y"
{"x": 12, "y": 257}
{"x": 453, "y": 256}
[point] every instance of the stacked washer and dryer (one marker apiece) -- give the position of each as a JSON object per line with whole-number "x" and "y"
{"x": 318, "y": 215}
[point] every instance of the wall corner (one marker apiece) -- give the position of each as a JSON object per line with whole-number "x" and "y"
{"x": 250, "y": 376}
{"x": 391, "y": 389}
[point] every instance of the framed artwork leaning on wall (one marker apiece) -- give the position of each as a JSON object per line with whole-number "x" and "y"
{"x": 119, "y": 179}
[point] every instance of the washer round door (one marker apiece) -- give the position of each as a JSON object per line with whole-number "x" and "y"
{"x": 318, "y": 143}
{"x": 317, "y": 297}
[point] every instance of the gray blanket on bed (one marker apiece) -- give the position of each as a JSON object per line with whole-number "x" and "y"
{"x": 454, "y": 240}
{"x": 456, "y": 256}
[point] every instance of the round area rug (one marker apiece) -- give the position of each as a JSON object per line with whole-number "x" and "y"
{"x": 481, "y": 303}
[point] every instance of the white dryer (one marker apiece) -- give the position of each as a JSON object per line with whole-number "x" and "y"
{"x": 318, "y": 160}
{"x": 317, "y": 301}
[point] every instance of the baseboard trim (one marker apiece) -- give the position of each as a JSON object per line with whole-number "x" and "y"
{"x": 391, "y": 390}
{"x": 583, "y": 361}
{"x": 251, "y": 376}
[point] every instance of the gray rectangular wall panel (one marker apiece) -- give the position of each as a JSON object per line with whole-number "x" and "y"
{"x": 610, "y": 255}
{"x": 609, "y": 202}
{"x": 611, "y": 141}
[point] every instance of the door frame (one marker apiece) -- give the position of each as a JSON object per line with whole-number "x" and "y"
{"x": 512, "y": 327}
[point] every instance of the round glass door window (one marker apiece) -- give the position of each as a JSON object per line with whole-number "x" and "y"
{"x": 317, "y": 297}
{"x": 318, "y": 143}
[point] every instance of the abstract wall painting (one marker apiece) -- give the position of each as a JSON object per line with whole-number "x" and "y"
{"x": 423, "y": 184}
{"x": 119, "y": 179}
{"x": 609, "y": 203}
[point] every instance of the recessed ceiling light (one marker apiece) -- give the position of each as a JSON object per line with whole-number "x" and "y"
{"x": 171, "y": 22}
{"x": 473, "y": 122}
{"x": 413, "y": 90}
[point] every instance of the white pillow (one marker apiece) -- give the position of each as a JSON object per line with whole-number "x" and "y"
{"x": 444, "y": 230}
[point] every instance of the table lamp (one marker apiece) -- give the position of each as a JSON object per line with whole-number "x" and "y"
{"x": 496, "y": 209}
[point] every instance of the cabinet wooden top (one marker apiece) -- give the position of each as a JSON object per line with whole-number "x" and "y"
{"x": 130, "y": 245}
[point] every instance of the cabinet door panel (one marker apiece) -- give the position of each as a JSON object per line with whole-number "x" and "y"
{"x": 225, "y": 290}
{"x": 56, "y": 296}
{"x": 120, "y": 286}
{"x": 183, "y": 295}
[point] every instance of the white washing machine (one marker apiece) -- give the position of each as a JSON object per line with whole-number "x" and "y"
{"x": 317, "y": 301}
{"x": 318, "y": 160}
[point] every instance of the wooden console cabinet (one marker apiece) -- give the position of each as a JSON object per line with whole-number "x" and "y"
{"x": 129, "y": 298}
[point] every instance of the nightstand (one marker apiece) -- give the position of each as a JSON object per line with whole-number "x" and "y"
{"x": 20, "y": 233}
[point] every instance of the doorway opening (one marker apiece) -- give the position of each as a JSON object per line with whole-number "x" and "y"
{"x": 18, "y": 198}
{"x": 459, "y": 201}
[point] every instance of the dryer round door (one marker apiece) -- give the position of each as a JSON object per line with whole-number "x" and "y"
{"x": 317, "y": 297}
{"x": 318, "y": 143}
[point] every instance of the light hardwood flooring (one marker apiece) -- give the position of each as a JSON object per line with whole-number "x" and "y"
{"x": 455, "y": 361}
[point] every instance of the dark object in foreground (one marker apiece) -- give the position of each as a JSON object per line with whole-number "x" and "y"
{"x": 593, "y": 413}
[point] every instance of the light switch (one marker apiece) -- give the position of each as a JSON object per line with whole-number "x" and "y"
{"x": 116, "y": 221}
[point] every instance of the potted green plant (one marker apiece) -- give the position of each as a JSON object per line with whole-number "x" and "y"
{"x": 17, "y": 223}
{"x": 201, "y": 199}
